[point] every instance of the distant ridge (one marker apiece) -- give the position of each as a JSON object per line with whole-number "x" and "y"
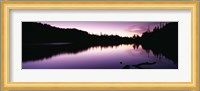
{"x": 34, "y": 32}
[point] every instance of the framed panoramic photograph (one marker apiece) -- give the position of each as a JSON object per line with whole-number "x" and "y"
{"x": 99, "y": 45}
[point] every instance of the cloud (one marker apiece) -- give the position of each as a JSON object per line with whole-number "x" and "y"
{"x": 137, "y": 29}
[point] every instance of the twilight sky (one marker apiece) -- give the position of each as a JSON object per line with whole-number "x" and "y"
{"x": 115, "y": 28}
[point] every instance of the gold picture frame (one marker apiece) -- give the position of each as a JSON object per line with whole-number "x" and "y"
{"x": 7, "y": 85}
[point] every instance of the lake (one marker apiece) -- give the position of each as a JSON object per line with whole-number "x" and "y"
{"x": 68, "y": 56}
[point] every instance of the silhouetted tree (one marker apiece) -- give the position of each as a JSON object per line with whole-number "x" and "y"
{"x": 162, "y": 41}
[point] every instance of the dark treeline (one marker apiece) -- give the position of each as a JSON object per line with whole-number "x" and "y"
{"x": 42, "y": 33}
{"x": 163, "y": 40}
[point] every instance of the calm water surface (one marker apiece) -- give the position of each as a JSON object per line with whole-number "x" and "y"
{"x": 112, "y": 57}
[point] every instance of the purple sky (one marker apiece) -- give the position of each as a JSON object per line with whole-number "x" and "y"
{"x": 115, "y": 28}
